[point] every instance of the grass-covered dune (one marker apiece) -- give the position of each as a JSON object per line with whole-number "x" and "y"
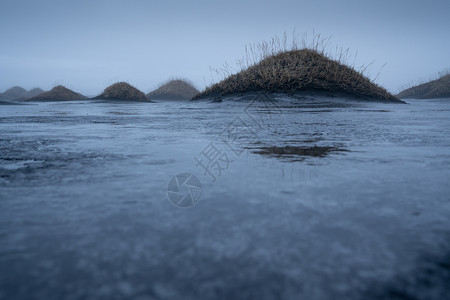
{"x": 299, "y": 70}
{"x": 122, "y": 91}
{"x": 174, "y": 89}
{"x": 58, "y": 93}
{"x": 439, "y": 88}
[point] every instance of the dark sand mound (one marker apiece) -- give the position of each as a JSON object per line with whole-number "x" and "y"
{"x": 176, "y": 89}
{"x": 7, "y": 102}
{"x": 297, "y": 153}
{"x": 299, "y": 70}
{"x": 58, "y": 93}
{"x": 14, "y": 92}
{"x": 122, "y": 91}
{"x": 439, "y": 88}
{"x": 314, "y": 151}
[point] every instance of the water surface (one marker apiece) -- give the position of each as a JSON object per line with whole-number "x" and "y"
{"x": 84, "y": 209}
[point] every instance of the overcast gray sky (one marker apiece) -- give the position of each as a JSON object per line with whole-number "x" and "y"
{"x": 87, "y": 45}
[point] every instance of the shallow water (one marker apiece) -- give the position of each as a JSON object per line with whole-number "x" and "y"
{"x": 85, "y": 210}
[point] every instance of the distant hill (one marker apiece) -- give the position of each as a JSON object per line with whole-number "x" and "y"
{"x": 31, "y": 93}
{"x": 122, "y": 91}
{"x": 439, "y": 88}
{"x": 58, "y": 93}
{"x": 14, "y": 92}
{"x": 176, "y": 89}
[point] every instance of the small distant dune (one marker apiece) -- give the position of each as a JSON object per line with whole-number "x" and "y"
{"x": 174, "y": 89}
{"x": 439, "y": 88}
{"x": 18, "y": 93}
{"x": 122, "y": 91}
{"x": 13, "y": 93}
{"x": 299, "y": 70}
{"x": 58, "y": 93}
{"x": 31, "y": 93}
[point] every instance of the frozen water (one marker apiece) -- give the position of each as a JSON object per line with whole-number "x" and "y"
{"x": 84, "y": 210}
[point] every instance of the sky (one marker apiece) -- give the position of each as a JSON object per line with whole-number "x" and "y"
{"x": 88, "y": 45}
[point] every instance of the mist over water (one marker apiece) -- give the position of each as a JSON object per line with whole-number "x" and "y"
{"x": 85, "y": 211}
{"x": 87, "y": 46}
